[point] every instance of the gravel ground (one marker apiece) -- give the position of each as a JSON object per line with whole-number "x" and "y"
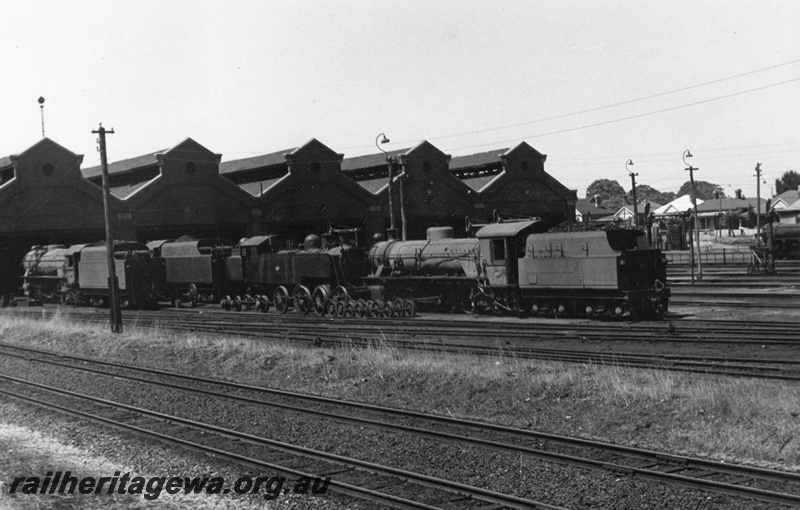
{"x": 547, "y": 482}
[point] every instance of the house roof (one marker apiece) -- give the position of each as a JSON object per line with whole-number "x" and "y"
{"x": 239, "y": 165}
{"x": 585, "y": 205}
{"x": 793, "y": 207}
{"x": 681, "y": 204}
{"x": 727, "y": 204}
{"x": 789, "y": 196}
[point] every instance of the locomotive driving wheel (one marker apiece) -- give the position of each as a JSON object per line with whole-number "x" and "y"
{"x": 319, "y": 300}
{"x": 302, "y": 299}
{"x": 281, "y": 299}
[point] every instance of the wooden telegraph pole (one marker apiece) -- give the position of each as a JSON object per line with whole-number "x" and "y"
{"x": 113, "y": 283}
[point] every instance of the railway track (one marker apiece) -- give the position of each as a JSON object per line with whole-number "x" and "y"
{"x": 742, "y": 481}
{"x": 506, "y": 339}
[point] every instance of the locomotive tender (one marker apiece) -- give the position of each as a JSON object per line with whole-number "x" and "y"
{"x": 79, "y": 274}
{"x": 512, "y": 267}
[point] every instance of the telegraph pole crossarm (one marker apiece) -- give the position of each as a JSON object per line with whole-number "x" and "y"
{"x": 113, "y": 284}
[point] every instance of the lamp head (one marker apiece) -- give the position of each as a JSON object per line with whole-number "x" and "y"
{"x": 41, "y": 100}
{"x": 687, "y": 154}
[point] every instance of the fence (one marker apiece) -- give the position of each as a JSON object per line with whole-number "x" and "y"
{"x": 718, "y": 257}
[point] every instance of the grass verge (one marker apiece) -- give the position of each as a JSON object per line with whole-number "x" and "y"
{"x": 746, "y": 420}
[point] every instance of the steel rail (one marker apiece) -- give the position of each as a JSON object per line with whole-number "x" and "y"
{"x": 457, "y": 488}
{"x": 688, "y": 331}
{"x": 657, "y": 459}
{"x": 764, "y": 368}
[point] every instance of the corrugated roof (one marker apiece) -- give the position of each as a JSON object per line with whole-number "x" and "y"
{"x": 255, "y": 188}
{"x": 265, "y": 160}
{"x": 369, "y": 160}
{"x": 479, "y": 159}
{"x": 125, "y": 165}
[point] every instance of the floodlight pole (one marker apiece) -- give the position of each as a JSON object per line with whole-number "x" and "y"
{"x": 113, "y": 284}
{"x": 390, "y": 166}
{"x": 633, "y": 187}
{"x": 691, "y": 169}
{"x": 41, "y": 109}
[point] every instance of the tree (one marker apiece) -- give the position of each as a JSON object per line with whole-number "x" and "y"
{"x": 788, "y": 181}
{"x": 705, "y": 190}
{"x": 650, "y": 194}
{"x": 611, "y": 193}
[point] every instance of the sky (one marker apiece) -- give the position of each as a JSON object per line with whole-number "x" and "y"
{"x": 590, "y": 84}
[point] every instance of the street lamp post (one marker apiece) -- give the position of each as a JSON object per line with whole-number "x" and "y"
{"x": 691, "y": 169}
{"x": 382, "y": 138}
{"x": 633, "y": 187}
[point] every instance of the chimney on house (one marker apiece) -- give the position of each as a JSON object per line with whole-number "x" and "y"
{"x": 597, "y": 200}
{"x": 739, "y": 194}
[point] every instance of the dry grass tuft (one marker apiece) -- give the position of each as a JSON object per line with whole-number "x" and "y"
{"x": 709, "y": 415}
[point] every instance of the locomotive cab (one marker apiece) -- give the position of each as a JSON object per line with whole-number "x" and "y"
{"x": 502, "y": 245}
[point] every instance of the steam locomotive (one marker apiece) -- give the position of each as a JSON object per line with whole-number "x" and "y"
{"x": 79, "y": 274}
{"x": 514, "y": 267}
{"x": 507, "y": 267}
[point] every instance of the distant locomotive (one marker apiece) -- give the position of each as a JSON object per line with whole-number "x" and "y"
{"x": 79, "y": 274}
{"x": 511, "y": 267}
{"x": 323, "y": 280}
{"x": 785, "y": 240}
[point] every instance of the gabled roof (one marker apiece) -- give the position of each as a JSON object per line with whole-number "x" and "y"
{"x": 479, "y": 159}
{"x": 681, "y": 204}
{"x": 265, "y": 160}
{"x": 369, "y": 160}
{"x": 788, "y": 196}
{"x": 126, "y": 165}
{"x": 792, "y": 208}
